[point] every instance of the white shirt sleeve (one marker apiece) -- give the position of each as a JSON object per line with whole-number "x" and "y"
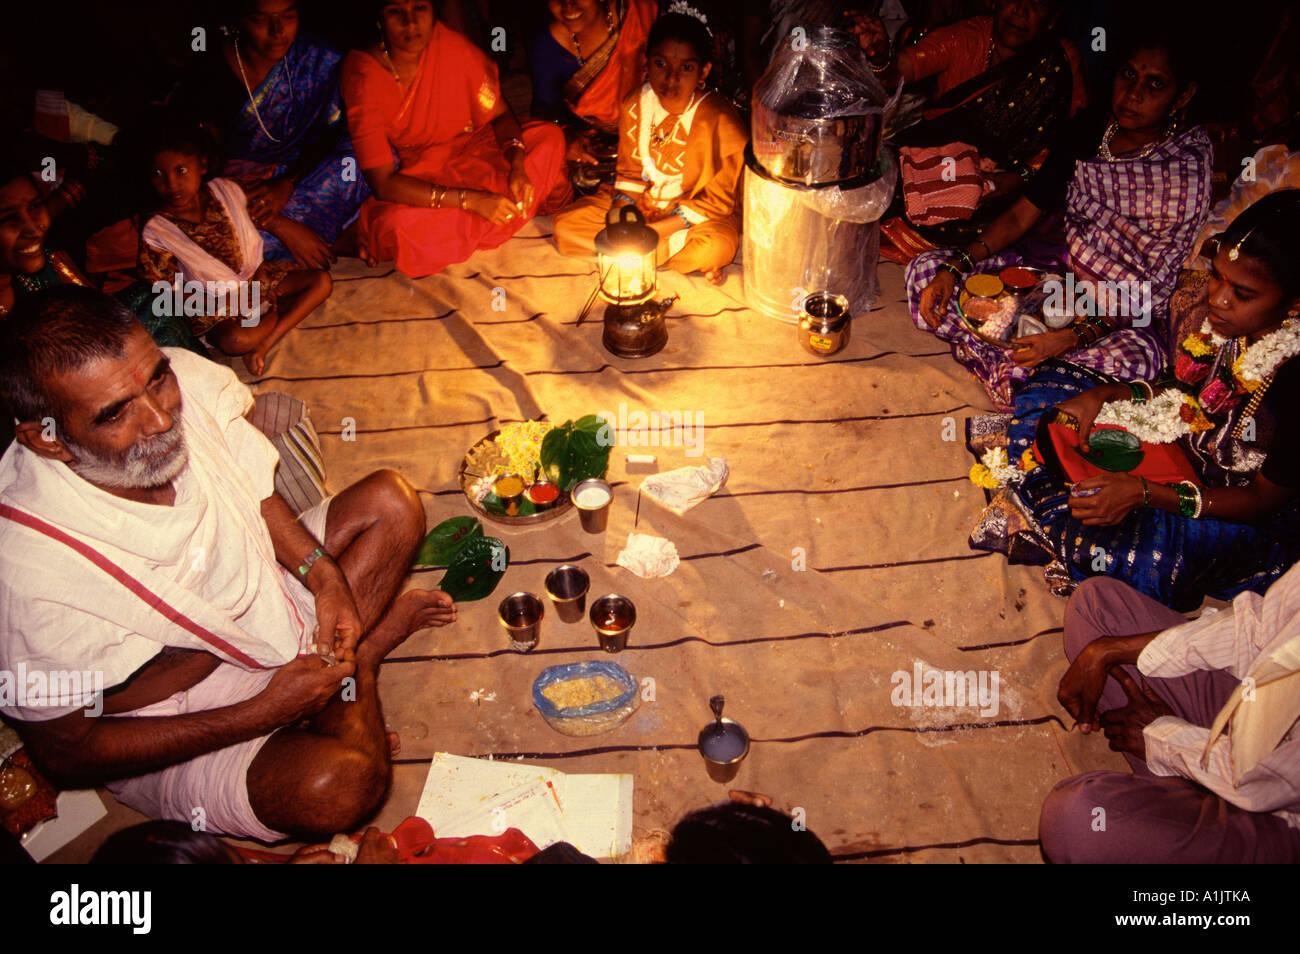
{"x": 1174, "y": 748}
{"x": 1227, "y": 639}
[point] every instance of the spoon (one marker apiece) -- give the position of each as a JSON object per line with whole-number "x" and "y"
{"x": 716, "y": 703}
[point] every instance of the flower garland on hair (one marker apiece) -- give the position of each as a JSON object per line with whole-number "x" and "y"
{"x": 681, "y": 6}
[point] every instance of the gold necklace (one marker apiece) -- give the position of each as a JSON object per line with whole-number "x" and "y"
{"x": 388, "y": 61}
{"x": 1251, "y": 406}
{"x": 609, "y": 26}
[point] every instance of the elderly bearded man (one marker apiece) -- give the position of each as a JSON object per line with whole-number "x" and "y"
{"x": 141, "y": 537}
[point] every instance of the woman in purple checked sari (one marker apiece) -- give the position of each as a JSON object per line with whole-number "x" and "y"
{"x": 273, "y": 96}
{"x": 1135, "y": 189}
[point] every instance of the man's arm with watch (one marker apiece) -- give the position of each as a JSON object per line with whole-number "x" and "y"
{"x": 337, "y": 620}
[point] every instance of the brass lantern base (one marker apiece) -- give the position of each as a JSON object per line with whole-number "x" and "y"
{"x": 636, "y": 331}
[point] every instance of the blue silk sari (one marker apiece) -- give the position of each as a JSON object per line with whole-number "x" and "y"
{"x": 297, "y": 104}
{"x": 1170, "y": 558}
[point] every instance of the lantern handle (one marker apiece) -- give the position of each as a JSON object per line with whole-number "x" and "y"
{"x": 624, "y": 213}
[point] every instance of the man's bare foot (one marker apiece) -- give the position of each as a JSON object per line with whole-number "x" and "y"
{"x": 255, "y": 361}
{"x": 411, "y": 611}
{"x": 394, "y": 745}
{"x": 714, "y": 276}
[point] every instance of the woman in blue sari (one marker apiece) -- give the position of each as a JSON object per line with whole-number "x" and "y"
{"x": 273, "y": 97}
{"x": 1236, "y": 384}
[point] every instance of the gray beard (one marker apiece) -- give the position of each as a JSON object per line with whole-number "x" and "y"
{"x": 153, "y": 462}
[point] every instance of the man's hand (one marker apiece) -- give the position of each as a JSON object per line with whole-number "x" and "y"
{"x": 377, "y": 848}
{"x": 1082, "y": 684}
{"x": 302, "y": 687}
{"x": 1123, "y": 727}
{"x": 338, "y": 624}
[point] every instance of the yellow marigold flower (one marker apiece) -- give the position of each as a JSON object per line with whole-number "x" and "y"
{"x": 1028, "y": 461}
{"x": 1198, "y": 346}
{"x": 1196, "y": 419}
{"x": 981, "y": 476}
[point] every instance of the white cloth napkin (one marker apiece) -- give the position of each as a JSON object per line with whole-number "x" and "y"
{"x": 648, "y": 557}
{"x": 680, "y": 490}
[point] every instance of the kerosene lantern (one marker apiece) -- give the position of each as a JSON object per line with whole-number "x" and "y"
{"x": 625, "y": 260}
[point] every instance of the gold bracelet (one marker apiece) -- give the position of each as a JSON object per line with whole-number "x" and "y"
{"x": 433, "y": 203}
{"x": 462, "y": 200}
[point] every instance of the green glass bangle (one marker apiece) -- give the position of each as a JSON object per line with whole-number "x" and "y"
{"x": 1139, "y": 395}
{"x": 1186, "y": 499}
{"x": 309, "y": 561}
{"x": 954, "y": 270}
{"x": 1146, "y": 493}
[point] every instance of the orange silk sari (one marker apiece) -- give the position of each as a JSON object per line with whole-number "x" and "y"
{"x": 603, "y": 97}
{"x": 440, "y": 130}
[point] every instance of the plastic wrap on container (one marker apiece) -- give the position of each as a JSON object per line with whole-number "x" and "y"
{"x": 800, "y": 240}
{"x": 593, "y": 718}
{"x": 818, "y": 110}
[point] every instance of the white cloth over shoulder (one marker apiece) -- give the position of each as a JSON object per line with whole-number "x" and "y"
{"x": 1257, "y": 766}
{"x": 200, "y": 574}
{"x": 197, "y": 264}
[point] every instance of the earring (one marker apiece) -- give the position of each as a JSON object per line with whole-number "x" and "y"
{"x": 700, "y": 85}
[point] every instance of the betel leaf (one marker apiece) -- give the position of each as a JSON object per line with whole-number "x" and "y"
{"x": 1113, "y": 450}
{"x": 445, "y": 540}
{"x": 495, "y": 505}
{"x": 476, "y": 569}
{"x": 575, "y": 451}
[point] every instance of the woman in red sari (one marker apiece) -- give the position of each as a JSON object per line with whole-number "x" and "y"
{"x": 466, "y": 176}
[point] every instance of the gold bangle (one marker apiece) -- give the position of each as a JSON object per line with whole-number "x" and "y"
{"x": 462, "y": 200}
{"x": 433, "y": 203}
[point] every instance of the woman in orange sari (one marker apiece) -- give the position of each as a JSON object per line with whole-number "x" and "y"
{"x": 449, "y": 166}
{"x": 585, "y": 63}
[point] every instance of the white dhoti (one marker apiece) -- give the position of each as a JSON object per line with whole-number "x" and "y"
{"x": 213, "y": 788}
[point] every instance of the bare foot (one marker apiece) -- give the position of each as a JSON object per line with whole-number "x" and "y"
{"x": 364, "y": 253}
{"x": 713, "y": 277}
{"x": 394, "y": 745}
{"x": 412, "y": 611}
{"x": 255, "y": 361}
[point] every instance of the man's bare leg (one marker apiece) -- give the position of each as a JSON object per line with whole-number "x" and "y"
{"x": 372, "y": 531}
{"x": 331, "y": 775}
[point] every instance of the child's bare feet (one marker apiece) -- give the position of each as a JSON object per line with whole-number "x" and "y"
{"x": 713, "y": 276}
{"x": 255, "y": 361}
